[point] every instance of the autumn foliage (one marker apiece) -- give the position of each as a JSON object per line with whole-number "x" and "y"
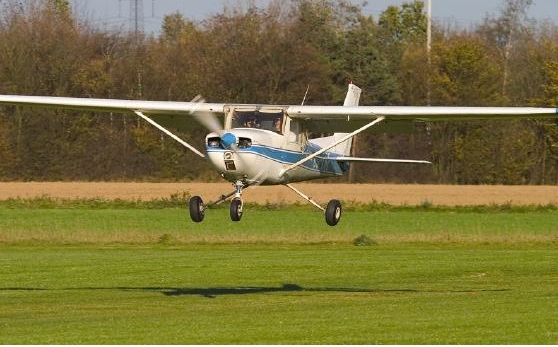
{"x": 272, "y": 55}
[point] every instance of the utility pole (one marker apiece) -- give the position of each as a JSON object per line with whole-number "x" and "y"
{"x": 136, "y": 17}
{"x": 428, "y": 50}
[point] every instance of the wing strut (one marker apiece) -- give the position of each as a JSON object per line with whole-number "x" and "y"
{"x": 305, "y": 197}
{"x": 158, "y": 126}
{"x": 345, "y": 138}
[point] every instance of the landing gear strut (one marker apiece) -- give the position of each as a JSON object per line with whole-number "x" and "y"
{"x": 197, "y": 208}
{"x": 236, "y": 203}
{"x": 332, "y": 211}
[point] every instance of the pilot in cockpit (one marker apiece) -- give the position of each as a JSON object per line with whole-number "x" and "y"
{"x": 252, "y": 122}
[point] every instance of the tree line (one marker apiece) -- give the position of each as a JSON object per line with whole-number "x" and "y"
{"x": 248, "y": 54}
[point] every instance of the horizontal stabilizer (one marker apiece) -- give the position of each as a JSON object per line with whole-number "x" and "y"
{"x": 380, "y": 160}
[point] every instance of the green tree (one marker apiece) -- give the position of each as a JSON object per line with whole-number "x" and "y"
{"x": 502, "y": 32}
{"x": 174, "y": 27}
{"x": 405, "y": 23}
{"x": 402, "y": 28}
{"x": 464, "y": 75}
{"x": 548, "y": 130}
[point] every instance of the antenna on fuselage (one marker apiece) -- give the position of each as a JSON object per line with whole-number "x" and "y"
{"x": 305, "y": 94}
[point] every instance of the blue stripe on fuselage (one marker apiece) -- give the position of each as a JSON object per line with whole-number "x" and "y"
{"x": 321, "y": 164}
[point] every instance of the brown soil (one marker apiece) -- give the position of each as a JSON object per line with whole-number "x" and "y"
{"x": 396, "y": 194}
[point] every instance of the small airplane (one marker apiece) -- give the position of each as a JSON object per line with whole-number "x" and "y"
{"x": 280, "y": 144}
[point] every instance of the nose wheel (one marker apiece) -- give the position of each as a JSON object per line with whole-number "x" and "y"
{"x": 236, "y": 209}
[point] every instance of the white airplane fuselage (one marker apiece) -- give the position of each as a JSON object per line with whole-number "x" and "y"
{"x": 259, "y": 156}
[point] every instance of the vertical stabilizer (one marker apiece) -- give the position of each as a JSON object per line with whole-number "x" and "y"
{"x": 344, "y": 148}
{"x": 353, "y": 95}
{"x": 351, "y": 99}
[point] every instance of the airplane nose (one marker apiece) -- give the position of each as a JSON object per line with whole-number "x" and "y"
{"x": 227, "y": 140}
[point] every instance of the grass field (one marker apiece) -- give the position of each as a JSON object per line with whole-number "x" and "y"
{"x": 83, "y": 272}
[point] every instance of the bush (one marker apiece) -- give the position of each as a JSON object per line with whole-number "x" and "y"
{"x": 364, "y": 240}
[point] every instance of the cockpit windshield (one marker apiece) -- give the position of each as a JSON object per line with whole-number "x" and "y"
{"x": 272, "y": 121}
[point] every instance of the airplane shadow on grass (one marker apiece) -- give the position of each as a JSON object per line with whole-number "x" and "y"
{"x": 289, "y": 288}
{"x": 213, "y": 292}
{"x": 285, "y": 288}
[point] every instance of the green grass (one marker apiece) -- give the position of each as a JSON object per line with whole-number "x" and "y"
{"x": 289, "y": 225}
{"x": 278, "y": 294}
{"x": 82, "y": 274}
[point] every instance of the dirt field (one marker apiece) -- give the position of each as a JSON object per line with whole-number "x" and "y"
{"x": 390, "y": 193}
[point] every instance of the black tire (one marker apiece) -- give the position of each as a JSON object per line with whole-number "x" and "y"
{"x": 333, "y": 212}
{"x": 197, "y": 209}
{"x": 236, "y": 209}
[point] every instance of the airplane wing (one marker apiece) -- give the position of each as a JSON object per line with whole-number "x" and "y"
{"x": 113, "y": 105}
{"x": 317, "y": 118}
{"x": 313, "y": 113}
{"x": 401, "y": 119}
{"x": 305, "y": 112}
{"x": 167, "y": 113}
{"x": 425, "y": 113}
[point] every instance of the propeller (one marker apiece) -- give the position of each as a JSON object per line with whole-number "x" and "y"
{"x": 207, "y": 119}
{"x": 210, "y": 121}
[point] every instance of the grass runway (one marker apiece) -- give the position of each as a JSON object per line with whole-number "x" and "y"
{"x": 77, "y": 274}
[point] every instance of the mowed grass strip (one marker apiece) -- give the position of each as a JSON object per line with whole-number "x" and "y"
{"x": 278, "y": 294}
{"x": 78, "y": 223}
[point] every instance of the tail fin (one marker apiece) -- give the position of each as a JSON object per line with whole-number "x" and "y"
{"x": 353, "y": 95}
{"x": 344, "y": 148}
{"x": 351, "y": 99}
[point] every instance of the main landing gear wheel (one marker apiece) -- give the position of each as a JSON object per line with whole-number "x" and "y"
{"x": 197, "y": 209}
{"x": 333, "y": 212}
{"x": 236, "y": 209}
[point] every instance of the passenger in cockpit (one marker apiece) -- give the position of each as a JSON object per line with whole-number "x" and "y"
{"x": 277, "y": 124}
{"x": 252, "y": 122}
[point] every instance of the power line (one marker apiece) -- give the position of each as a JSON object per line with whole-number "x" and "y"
{"x": 136, "y": 17}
